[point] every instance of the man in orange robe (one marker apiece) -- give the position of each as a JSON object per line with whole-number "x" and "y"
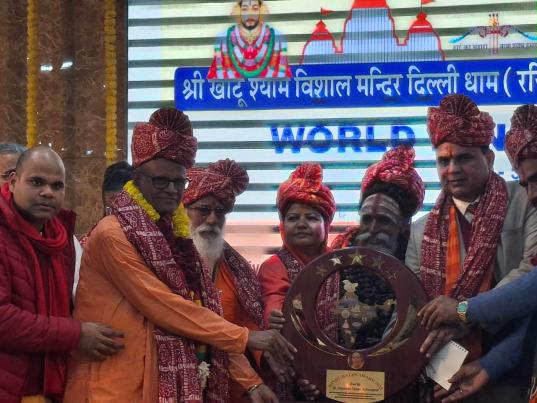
{"x": 209, "y": 197}
{"x": 142, "y": 275}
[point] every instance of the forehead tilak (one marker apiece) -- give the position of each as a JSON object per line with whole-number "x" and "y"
{"x": 380, "y": 204}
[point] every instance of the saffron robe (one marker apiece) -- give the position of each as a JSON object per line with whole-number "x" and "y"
{"x": 116, "y": 287}
{"x": 243, "y": 376}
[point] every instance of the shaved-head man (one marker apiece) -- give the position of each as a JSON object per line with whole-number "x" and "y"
{"x": 38, "y": 185}
{"x": 9, "y": 154}
{"x": 37, "y": 261}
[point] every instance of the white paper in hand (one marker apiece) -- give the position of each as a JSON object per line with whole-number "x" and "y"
{"x": 445, "y": 363}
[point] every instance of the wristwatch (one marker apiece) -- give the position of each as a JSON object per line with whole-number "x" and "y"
{"x": 462, "y": 308}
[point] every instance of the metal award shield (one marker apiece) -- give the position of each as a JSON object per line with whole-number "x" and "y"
{"x": 374, "y": 351}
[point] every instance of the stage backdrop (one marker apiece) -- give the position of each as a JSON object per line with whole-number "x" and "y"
{"x": 277, "y": 83}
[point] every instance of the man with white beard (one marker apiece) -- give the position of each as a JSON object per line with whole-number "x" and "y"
{"x": 209, "y": 197}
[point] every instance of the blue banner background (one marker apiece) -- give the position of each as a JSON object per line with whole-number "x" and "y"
{"x": 514, "y": 79}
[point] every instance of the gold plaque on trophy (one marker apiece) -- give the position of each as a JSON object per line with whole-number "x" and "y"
{"x": 355, "y": 386}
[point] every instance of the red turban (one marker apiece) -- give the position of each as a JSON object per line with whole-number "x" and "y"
{"x": 305, "y": 185}
{"x": 521, "y": 139}
{"x": 224, "y": 179}
{"x": 458, "y": 120}
{"x": 168, "y": 135}
{"x": 396, "y": 168}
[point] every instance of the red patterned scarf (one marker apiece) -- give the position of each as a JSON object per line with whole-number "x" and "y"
{"x": 246, "y": 283}
{"x": 486, "y": 229}
{"x": 177, "y": 264}
{"x": 54, "y": 298}
{"x": 328, "y": 295}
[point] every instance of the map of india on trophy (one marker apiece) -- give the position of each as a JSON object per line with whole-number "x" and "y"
{"x": 352, "y": 314}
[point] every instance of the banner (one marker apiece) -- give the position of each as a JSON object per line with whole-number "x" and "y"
{"x": 362, "y": 85}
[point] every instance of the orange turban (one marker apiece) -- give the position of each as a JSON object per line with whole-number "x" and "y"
{"x": 396, "y": 168}
{"x": 521, "y": 139}
{"x": 168, "y": 135}
{"x": 305, "y": 185}
{"x": 458, "y": 120}
{"x": 224, "y": 179}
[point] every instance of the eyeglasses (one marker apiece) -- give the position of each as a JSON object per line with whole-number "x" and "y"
{"x": 161, "y": 182}
{"x": 206, "y": 211}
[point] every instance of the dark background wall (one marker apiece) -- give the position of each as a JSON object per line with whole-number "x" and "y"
{"x": 70, "y": 106}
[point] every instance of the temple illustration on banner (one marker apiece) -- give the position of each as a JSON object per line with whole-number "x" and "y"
{"x": 369, "y": 37}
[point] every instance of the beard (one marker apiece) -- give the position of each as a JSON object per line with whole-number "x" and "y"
{"x": 249, "y": 26}
{"x": 209, "y": 241}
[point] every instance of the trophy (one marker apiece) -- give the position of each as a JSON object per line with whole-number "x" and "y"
{"x": 352, "y": 315}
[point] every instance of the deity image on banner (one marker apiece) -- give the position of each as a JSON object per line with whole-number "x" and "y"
{"x": 250, "y": 48}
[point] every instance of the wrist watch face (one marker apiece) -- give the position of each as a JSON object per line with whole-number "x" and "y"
{"x": 462, "y": 307}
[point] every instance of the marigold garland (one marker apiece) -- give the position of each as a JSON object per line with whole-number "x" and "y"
{"x": 179, "y": 218}
{"x": 110, "y": 79}
{"x": 32, "y": 65}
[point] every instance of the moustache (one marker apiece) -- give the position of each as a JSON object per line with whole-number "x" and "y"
{"x": 208, "y": 229}
{"x": 368, "y": 237}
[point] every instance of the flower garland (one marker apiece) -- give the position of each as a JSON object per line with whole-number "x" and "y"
{"x": 110, "y": 79}
{"x": 32, "y": 70}
{"x": 179, "y": 218}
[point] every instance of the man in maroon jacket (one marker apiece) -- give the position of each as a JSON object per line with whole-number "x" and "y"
{"x": 36, "y": 276}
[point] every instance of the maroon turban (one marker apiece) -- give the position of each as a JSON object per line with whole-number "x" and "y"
{"x": 305, "y": 185}
{"x": 521, "y": 139}
{"x": 168, "y": 135}
{"x": 396, "y": 168}
{"x": 224, "y": 179}
{"x": 458, "y": 120}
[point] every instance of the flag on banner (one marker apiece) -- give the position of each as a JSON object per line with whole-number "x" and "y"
{"x": 423, "y": 2}
{"x": 325, "y": 12}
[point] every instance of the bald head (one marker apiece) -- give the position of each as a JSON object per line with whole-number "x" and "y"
{"x": 41, "y": 154}
{"x": 38, "y": 185}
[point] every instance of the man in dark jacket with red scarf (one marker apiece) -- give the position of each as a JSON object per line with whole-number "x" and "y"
{"x": 36, "y": 277}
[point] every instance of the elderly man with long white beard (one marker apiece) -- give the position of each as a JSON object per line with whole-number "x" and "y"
{"x": 209, "y": 197}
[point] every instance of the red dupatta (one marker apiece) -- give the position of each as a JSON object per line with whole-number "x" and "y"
{"x": 486, "y": 229}
{"x": 53, "y": 296}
